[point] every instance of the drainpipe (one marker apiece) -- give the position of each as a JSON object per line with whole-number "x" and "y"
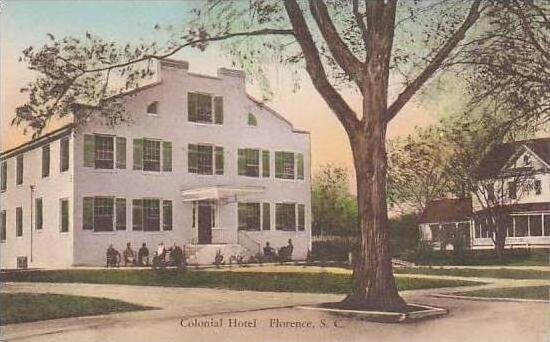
{"x": 32, "y": 204}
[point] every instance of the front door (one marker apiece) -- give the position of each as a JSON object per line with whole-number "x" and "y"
{"x": 205, "y": 222}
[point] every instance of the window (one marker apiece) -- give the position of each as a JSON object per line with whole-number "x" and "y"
{"x": 538, "y": 186}
{"x": 535, "y": 225}
{"x": 46, "y": 161}
{"x": 151, "y": 155}
{"x": 4, "y": 176}
{"x": 152, "y": 108}
{"x": 218, "y": 160}
{"x": 64, "y": 208}
{"x": 64, "y": 154}
{"x": 19, "y": 171}
{"x": 120, "y": 214}
{"x": 120, "y": 153}
{"x": 299, "y": 166}
{"x": 146, "y": 214}
{"x": 249, "y": 162}
{"x": 137, "y": 214}
{"x": 3, "y": 225}
{"x": 546, "y": 225}
{"x": 301, "y": 216}
{"x": 520, "y": 224}
{"x": 19, "y": 221}
{"x": 252, "y": 121}
{"x": 147, "y": 155}
{"x": 104, "y": 152}
{"x": 200, "y": 159}
{"x": 103, "y": 214}
{"x": 285, "y": 216}
{"x": 249, "y": 216}
{"x": 434, "y": 229}
{"x": 266, "y": 216}
{"x": 265, "y": 164}
{"x": 284, "y": 165}
{"x": 39, "y": 215}
{"x": 512, "y": 190}
{"x": 166, "y": 215}
{"x": 199, "y": 108}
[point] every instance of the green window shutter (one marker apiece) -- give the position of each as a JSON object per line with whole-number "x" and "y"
{"x": 89, "y": 150}
{"x": 137, "y": 214}
{"x": 64, "y": 216}
{"x": 19, "y": 221}
{"x": 46, "y": 161}
{"x": 301, "y": 217}
{"x": 166, "y": 156}
{"x": 193, "y": 158}
{"x": 4, "y": 176}
{"x": 266, "y": 213}
{"x": 121, "y": 214}
{"x": 218, "y": 110}
{"x": 120, "y": 153}
{"x": 39, "y": 219}
{"x": 241, "y": 161}
{"x": 166, "y": 215}
{"x": 138, "y": 154}
{"x": 3, "y": 229}
{"x": 88, "y": 213}
{"x": 300, "y": 165}
{"x": 192, "y": 106}
{"x": 278, "y": 164}
{"x": 265, "y": 164}
{"x": 218, "y": 161}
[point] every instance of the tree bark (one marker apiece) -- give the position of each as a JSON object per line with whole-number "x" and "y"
{"x": 375, "y": 286}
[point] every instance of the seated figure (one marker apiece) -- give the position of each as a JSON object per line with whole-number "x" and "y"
{"x": 113, "y": 257}
{"x": 143, "y": 255}
{"x": 269, "y": 252}
{"x": 129, "y": 255}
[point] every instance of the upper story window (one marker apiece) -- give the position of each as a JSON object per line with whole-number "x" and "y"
{"x": 204, "y": 108}
{"x": 19, "y": 170}
{"x": 39, "y": 213}
{"x": 99, "y": 152}
{"x": 512, "y": 190}
{"x": 289, "y": 165}
{"x": 4, "y": 176}
{"x": 64, "y": 154}
{"x": 537, "y": 186}
{"x": 252, "y": 121}
{"x": 205, "y": 159}
{"x": 147, "y": 155}
{"x": 249, "y": 162}
{"x": 64, "y": 215}
{"x": 3, "y": 225}
{"x": 152, "y": 108}
{"x": 46, "y": 161}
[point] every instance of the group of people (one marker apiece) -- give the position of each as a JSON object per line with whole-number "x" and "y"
{"x": 284, "y": 253}
{"x": 142, "y": 258}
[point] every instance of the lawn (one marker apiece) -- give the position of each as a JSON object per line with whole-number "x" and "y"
{"x": 527, "y": 292}
{"x": 275, "y": 281}
{"x": 30, "y": 307}
{"x": 474, "y": 272}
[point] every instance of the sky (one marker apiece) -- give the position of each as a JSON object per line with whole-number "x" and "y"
{"x": 24, "y": 23}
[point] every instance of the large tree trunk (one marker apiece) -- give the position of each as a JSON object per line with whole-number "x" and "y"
{"x": 374, "y": 284}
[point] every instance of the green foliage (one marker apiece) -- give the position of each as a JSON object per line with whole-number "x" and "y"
{"x": 30, "y": 307}
{"x": 404, "y": 234}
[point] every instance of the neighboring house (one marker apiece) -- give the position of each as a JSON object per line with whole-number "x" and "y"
{"x": 201, "y": 164}
{"x": 515, "y": 177}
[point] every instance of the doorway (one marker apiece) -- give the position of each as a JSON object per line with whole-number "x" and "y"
{"x": 206, "y": 210}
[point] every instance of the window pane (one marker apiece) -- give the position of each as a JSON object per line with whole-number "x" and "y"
{"x": 284, "y": 165}
{"x": 137, "y": 214}
{"x": 103, "y": 214}
{"x": 19, "y": 221}
{"x": 204, "y": 108}
{"x": 535, "y": 225}
{"x": 4, "y": 176}
{"x": 265, "y": 164}
{"x": 249, "y": 216}
{"x": 46, "y": 161}
{"x": 151, "y": 215}
{"x": 151, "y": 155}
{"x": 166, "y": 215}
{"x": 249, "y": 162}
{"x": 104, "y": 152}
{"x": 39, "y": 213}
{"x": 121, "y": 153}
{"x": 285, "y": 216}
{"x": 64, "y": 216}
{"x": 166, "y": 156}
{"x": 19, "y": 173}
{"x": 205, "y": 159}
{"x": 266, "y": 224}
{"x": 64, "y": 154}
{"x": 520, "y": 225}
{"x": 120, "y": 214}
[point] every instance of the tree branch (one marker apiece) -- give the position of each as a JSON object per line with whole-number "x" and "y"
{"x": 341, "y": 53}
{"x": 436, "y": 62}
{"x": 359, "y": 18}
{"x": 315, "y": 69}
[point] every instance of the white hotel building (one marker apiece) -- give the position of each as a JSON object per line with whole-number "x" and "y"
{"x": 201, "y": 164}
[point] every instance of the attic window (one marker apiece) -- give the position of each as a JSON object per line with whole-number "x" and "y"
{"x": 252, "y": 121}
{"x": 153, "y": 108}
{"x": 527, "y": 159}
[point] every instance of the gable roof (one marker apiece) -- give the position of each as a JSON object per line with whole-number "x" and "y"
{"x": 501, "y": 154}
{"x": 447, "y": 210}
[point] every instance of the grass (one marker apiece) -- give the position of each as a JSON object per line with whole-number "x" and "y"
{"x": 275, "y": 281}
{"x": 527, "y": 292}
{"x": 474, "y": 272}
{"x": 511, "y": 257}
{"x": 30, "y": 307}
